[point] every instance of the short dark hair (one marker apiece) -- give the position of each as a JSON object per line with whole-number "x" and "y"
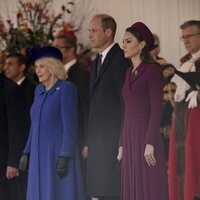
{"x": 190, "y": 23}
{"x": 108, "y": 22}
{"x": 21, "y": 59}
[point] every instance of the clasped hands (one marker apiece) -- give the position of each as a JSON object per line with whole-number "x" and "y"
{"x": 61, "y": 167}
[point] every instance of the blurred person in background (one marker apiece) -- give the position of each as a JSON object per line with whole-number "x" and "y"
{"x": 184, "y": 156}
{"x": 155, "y": 52}
{"x": 66, "y": 42}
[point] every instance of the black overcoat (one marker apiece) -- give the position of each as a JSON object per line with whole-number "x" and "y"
{"x": 14, "y": 125}
{"x": 78, "y": 75}
{"x": 28, "y": 88}
{"x": 105, "y": 123}
{"x": 13, "y": 122}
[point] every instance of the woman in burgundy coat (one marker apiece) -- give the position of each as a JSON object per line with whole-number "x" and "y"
{"x": 143, "y": 169}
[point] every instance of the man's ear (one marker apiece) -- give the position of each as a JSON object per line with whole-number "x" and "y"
{"x": 22, "y": 67}
{"x": 108, "y": 32}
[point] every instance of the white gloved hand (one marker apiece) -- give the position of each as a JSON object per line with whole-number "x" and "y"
{"x": 192, "y": 99}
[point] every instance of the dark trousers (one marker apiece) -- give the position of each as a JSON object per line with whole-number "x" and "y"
{"x": 14, "y": 189}
{"x": 3, "y": 188}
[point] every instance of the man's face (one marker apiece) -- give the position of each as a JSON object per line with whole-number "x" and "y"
{"x": 98, "y": 37}
{"x": 63, "y": 47}
{"x": 13, "y": 69}
{"x": 191, "y": 39}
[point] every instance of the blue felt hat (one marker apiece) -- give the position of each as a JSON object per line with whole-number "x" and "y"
{"x": 37, "y": 52}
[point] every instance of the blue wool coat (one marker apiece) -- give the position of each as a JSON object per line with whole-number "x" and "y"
{"x": 53, "y": 133}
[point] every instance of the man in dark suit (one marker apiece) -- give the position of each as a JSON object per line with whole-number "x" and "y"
{"x": 77, "y": 74}
{"x": 15, "y": 68}
{"x": 13, "y": 134}
{"x": 105, "y": 111}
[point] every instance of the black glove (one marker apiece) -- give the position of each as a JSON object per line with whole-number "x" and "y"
{"x": 23, "y": 163}
{"x": 62, "y": 166}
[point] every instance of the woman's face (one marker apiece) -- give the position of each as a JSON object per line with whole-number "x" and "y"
{"x": 42, "y": 72}
{"x": 132, "y": 47}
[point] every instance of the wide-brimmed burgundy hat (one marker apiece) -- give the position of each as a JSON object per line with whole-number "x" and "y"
{"x": 146, "y": 33}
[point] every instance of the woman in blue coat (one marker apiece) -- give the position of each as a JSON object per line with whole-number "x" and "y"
{"x": 54, "y": 172}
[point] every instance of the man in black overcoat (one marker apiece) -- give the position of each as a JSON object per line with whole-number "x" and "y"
{"x": 66, "y": 41}
{"x": 15, "y": 68}
{"x": 13, "y": 135}
{"x": 106, "y": 110}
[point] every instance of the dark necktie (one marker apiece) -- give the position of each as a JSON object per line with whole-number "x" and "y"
{"x": 99, "y": 62}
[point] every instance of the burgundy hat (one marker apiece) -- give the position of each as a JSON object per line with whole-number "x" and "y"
{"x": 146, "y": 33}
